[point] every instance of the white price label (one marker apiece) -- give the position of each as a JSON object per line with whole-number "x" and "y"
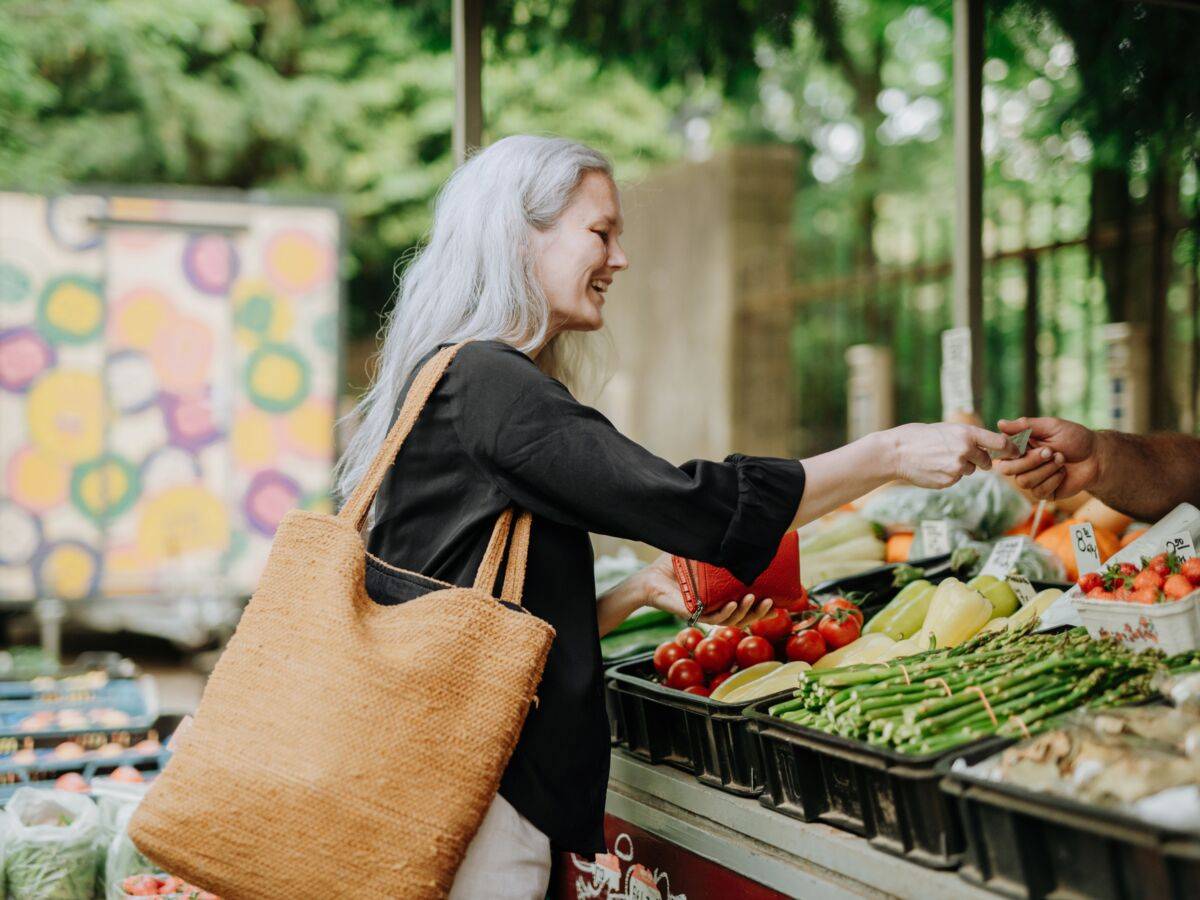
{"x": 957, "y": 391}
{"x": 1021, "y": 586}
{"x": 935, "y": 537}
{"x": 1181, "y": 545}
{"x": 1004, "y": 556}
{"x": 1083, "y": 541}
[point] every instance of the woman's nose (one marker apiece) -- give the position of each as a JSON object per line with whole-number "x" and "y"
{"x": 616, "y": 257}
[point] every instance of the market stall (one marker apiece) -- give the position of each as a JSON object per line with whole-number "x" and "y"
{"x": 979, "y": 720}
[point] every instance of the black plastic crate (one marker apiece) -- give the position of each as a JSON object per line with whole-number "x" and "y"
{"x": 878, "y": 581}
{"x": 1033, "y": 845}
{"x": 892, "y": 799}
{"x": 612, "y": 704}
{"x": 706, "y": 738}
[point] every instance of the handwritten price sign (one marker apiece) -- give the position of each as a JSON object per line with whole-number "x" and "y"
{"x": 1004, "y": 557}
{"x": 1181, "y": 545}
{"x": 935, "y": 537}
{"x": 1083, "y": 542}
{"x": 1022, "y": 588}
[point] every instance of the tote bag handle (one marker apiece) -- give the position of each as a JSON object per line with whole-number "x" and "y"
{"x": 355, "y": 509}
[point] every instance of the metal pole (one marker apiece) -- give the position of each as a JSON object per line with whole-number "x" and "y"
{"x": 968, "y": 179}
{"x": 468, "y": 66}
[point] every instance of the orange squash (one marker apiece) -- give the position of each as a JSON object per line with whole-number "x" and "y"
{"x": 1131, "y": 536}
{"x": 1025, "y": 527}
{"x": 1058, "y": 540}
{"x": 898, "y": 547}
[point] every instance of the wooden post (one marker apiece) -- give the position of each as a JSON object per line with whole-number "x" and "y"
{"x": 968, "y": 179}
{"x": 468, "y": 66}
{"x": 1029, "y": 396}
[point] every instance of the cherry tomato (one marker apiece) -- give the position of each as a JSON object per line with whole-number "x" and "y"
{"x": 842, "y": 603}
{"x": 805, "y": 646}
{"x": 794, "y": 604}
{"x": 840, "y": 629}
{"x": 715, "y": 655}
{"x": 666, "y": 654}
{"x": 689, "y": 638}
{"x": 728, "y": 633}
{"x": 754, "y": 650}
{"x": 1191, "y": 570}
{"x": 698, "y": 689}
{"x": 1089, "y": 581}
{"x": 715, "y": 681}
{"x": 684, "y": 673}
{"x": 774, "y": 626}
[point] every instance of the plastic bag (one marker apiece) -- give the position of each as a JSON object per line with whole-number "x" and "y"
{"x": 610, "y": 570}
{"x": 983, "y": 503}
{"x": 51, "y": 852}
{"x": 1037, "y": 563}
{"x": 123, "y": 858}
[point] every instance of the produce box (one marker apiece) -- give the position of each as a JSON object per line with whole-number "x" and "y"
{"x": 1170, "y": 627}
{"x": 703, "y": 737}
{"x": 121, "y": 704}
{"x": 1025, "y": 844}
{"x": 892, "y": 799}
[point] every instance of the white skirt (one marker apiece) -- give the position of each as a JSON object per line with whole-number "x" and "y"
{"x": 508, "y": 859}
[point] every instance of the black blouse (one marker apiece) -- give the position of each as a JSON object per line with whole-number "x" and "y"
{"x": 498, "y": 431}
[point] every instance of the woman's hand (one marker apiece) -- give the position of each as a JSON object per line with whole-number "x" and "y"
{"x": 938, "y": 455}
{"x": 661, "y": 589}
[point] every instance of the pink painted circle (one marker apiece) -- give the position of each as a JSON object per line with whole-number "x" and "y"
{"x": 24, "y": 355}
{"x": 182, "y": 354}
{"x": 268, "y": 498}
{"x": 210, "y": 262}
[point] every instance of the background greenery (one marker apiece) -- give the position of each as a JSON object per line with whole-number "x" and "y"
{"x": 1090, "y": 118}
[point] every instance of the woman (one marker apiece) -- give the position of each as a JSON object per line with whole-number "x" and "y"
{"x": 524, "y": 246}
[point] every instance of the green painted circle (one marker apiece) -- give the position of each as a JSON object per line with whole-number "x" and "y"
{"x": 82, "y": 477}
{"x": 74, "y": 328}
{"x": 277, "y": 361}
{"x": 14, "y": 283}
{"x": 254, "y": 314}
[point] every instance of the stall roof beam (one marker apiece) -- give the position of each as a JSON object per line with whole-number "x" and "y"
{"x": 968, "y": 179}
{"x": 468, "y": 70}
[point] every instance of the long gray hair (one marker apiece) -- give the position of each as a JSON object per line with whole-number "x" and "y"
{"x": 474, "y": 277}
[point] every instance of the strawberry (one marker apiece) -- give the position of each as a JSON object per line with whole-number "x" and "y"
{"x": 1160, "y": 564}
{"x": 1089, "y": 581}
{"x": 1145, "y": 595}
{"x": 1127, "y": 569}
{"x": 1148, "y": 578}
{"x": 1122, "y": 592}
{"x": 1099, "y": 593}
{"x": 1191, "y": 570}
{"x": 1177, "y": 587}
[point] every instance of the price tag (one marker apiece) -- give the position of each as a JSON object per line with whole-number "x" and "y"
{"x": 1181, "y": 545}
{"x": 1022, "y": 588}
{"x": 935, "y": 537}
{"x": 1004, "y": 556}
{"x": 1083, "y": 541}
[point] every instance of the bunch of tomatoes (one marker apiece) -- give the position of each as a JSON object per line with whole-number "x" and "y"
{"x": 697, "y": 663}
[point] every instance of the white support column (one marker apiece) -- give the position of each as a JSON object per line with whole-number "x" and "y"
{"x": 968, "y": 180}
{"x": 468, "y": 69}
{"x": 870, "y": 397}
{"x": 1128, "y": 360}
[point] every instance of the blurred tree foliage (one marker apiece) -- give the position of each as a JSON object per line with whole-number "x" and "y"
{"x": 341, "y": 97}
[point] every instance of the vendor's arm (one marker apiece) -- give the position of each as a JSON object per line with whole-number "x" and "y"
{"x": 1144, "y": 476}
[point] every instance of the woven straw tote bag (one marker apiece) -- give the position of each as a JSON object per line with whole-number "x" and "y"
{"x": 344, "y": 746}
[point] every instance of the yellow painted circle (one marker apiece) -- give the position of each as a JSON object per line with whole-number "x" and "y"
{"x": 253, "y": 439}
{"x": 65, "y": 412}
{"x": 180, "y": 520}
{"x": 36, "y": 480}
{"x": 310, "y": 429}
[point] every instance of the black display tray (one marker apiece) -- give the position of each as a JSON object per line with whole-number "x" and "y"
{"x": 706, "y": 738}
{"x": 878, "y": 581}
{"x": 1033, "y": 845}
{"x": 892, "y": 799}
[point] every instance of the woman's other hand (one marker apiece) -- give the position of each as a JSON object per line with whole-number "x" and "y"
{"x": 662, "y": 592}
{"x": 938, "y": 455}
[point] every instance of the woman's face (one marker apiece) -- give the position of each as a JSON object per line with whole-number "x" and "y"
{"x": 575, "y": 261}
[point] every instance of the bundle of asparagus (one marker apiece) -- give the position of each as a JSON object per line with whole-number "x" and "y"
{"x": 1006, "y": 683}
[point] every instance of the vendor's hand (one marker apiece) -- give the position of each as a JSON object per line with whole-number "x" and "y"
{"x": 938, "y": 455}
{"x": 662, "y": 592}
{"x": 1061, "y": 459}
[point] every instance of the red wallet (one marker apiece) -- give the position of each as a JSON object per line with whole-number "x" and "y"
{"x": 708, "y": 587}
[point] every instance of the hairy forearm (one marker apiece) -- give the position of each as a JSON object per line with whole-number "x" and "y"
{"x": 615, "y": 605}
{"x": 1146, "y": 476}
{"x": 845, "y": 474}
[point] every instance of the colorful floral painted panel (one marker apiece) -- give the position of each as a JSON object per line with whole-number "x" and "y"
{"x": 167, "y": 389}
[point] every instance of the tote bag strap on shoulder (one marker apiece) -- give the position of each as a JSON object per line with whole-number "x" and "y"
{"x": 355, "y": 510}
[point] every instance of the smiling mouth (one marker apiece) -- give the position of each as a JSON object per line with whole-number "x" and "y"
{"x": 599, "y": 286}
